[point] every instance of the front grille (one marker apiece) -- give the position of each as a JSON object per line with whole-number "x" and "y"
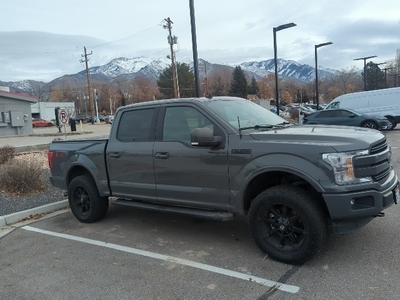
{"x": 375, "y": 165}
{"x": 380, "y": 147}
{"x": 381, "y": 176}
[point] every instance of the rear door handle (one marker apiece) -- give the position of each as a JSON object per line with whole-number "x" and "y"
{"x": 115, "y": 154}
{"x": 162, "y": 155}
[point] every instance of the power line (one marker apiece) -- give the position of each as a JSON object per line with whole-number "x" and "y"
{"x": 30, "y": 53}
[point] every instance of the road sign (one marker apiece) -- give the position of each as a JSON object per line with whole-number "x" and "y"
{"x": 63, "y": 117}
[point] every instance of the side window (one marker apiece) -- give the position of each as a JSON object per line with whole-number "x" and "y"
{"x": 345, "y": 113}
{"x": 333, "y": 105}
{"x": 135, "y": 126}
{"x": 325, "y": 114}
{"x": 180, "y": 121}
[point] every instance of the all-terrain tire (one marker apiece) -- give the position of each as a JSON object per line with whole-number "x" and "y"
{"x": 85, "y": 201}
{"x": 287, "y": 224}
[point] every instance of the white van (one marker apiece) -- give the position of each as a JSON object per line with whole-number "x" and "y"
{"x": 384, "y": 102}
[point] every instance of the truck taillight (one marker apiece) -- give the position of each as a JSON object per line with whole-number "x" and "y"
{"x": 51, "y": 155}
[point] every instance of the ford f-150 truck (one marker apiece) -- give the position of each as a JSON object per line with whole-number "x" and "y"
{"x": 223, "y": 157}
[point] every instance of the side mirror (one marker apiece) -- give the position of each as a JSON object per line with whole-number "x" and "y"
{"x": 203, "y": 137}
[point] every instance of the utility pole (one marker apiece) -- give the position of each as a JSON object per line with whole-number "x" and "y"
{"x": 386, "y": 69}
{"x": 206, "y": 79}
{"x": 171, "y": 41}
{"x": 395, "y": 79}
{"x": 85, "y": 60}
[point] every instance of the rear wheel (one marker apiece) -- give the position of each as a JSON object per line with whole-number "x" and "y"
{"x": 287, "y": 224}
{"x": 85, "y": 201}
{"x": 369, "y": 124}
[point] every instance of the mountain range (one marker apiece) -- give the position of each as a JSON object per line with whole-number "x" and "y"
{"x": 129, "y": 68}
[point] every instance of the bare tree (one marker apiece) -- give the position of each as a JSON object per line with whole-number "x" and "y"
{"x": 219, "y": 82}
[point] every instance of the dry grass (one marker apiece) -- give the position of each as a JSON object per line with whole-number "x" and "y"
{"x": 7, "y": 152}
{"x": 23, "y": 174}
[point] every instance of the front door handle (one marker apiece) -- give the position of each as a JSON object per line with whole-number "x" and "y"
{"x": 115, "y": 154}
{"x": 162, "y": 155}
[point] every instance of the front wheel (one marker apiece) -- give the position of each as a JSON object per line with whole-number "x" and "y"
{"x": 287, "y": 224}
{"x": 370, "y": 124}
{"x": 85, "y": 201}
{"x": 393, "y": 123}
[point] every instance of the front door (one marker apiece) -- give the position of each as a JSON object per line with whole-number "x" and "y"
{"x": 189, "y": 175}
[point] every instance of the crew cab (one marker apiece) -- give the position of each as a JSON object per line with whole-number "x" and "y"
{"x": 223, "y": 157}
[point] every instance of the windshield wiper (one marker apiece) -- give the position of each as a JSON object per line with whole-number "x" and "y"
{"x": 256, "y": 127}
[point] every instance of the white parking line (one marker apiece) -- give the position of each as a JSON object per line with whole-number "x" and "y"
{"x": 277, "y": 285}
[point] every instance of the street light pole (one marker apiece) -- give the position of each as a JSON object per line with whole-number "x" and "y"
{"x": 365, "y": 68}
{"x": 194, "y": 47}
{"x": 316, "y": 70}
{"x": 275, "y": 29}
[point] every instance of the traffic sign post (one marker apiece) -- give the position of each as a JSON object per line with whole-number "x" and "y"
{"x": 63, "y": 119}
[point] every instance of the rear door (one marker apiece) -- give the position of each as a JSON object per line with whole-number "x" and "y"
{"x": 348, "y": 118}
{"x": 188, "y": 175}
{"x": 130, "y": 155}
{"x": 324, "y": 117}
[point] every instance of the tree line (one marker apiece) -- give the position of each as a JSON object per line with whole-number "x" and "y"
{"x": 222, "y": 82}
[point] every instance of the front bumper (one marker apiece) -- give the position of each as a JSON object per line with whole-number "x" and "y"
{"x": 351, "y": 211}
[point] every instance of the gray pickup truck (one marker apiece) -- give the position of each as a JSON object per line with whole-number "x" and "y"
{"x": 224, "y": 157}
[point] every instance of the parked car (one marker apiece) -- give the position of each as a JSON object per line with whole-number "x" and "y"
{"x": 41, "y": 123}
{"x": 83, "y": 118}
{"x": 347, "y": 117}
{"x": 384, "y": 101}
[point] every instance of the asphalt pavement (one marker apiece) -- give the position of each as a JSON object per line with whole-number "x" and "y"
{"x": 134, "y": 254}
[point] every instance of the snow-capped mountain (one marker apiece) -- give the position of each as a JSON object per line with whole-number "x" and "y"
{"x": 286, "y": 69}
{"x": 129, "y": 68}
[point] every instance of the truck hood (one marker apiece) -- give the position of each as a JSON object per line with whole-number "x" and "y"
{"x": 341, "y": 138}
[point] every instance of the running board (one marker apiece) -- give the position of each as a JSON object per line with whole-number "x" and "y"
{"x": 206, "y": 214}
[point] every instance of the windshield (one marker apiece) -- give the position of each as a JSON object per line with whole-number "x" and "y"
{"x": 249, "y": 113}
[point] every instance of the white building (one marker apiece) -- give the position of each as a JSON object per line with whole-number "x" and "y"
{"x": 46, "y": 110}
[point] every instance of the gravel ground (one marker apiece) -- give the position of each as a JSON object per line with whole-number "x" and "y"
{"x": 10, "y": 203}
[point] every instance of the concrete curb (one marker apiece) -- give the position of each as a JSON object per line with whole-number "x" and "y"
{"x": 19, "y": 216}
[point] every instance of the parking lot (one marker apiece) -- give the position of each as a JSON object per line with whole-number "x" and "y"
{"x": 134, "y": 254}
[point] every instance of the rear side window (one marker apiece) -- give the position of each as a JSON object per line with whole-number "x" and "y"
{"x": 136, "y": 126}
{"x": 326, "y": 114}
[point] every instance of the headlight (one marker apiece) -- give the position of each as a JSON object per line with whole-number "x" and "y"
{"x": 342, "y": 164}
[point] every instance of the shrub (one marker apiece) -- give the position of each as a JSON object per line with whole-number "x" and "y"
{"x": 7, "y": 152}
{"x": 22, "y": 175}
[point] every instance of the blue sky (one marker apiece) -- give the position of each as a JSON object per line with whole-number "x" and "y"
{"x": 44, "y": 39}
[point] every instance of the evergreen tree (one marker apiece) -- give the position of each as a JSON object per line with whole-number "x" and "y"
{"x": 253, "y": 87}
{"x": 185, "y": 80}
{"x": 375, "y": 76}
{"x": 165, "y": 83}
{"x": 239, "y": 83}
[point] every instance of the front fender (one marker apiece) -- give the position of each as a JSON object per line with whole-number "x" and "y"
{"x": 312, "y": 172}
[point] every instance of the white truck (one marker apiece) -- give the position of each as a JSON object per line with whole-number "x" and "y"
{"x": 384, "y": 102}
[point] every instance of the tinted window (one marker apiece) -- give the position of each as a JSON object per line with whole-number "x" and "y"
{"x": 135, "y": 126}
{"x": 180, "y": 121}
{"x": 344, "y": 113}
{"x": 325, "y": 114}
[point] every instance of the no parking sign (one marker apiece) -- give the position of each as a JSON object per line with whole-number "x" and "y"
{"x": 63, "y": 117}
